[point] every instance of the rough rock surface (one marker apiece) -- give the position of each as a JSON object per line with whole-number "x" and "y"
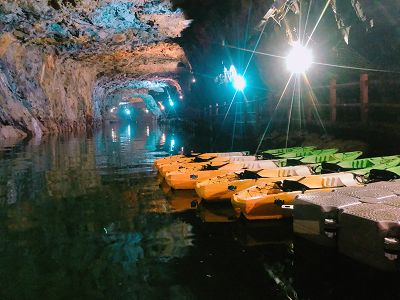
{"x": 61, "y": 61}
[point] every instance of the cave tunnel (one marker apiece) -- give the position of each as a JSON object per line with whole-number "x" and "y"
{"x": 199, "y": 149}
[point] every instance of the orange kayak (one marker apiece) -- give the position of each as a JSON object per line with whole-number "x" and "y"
{"x": 265, "y": 201}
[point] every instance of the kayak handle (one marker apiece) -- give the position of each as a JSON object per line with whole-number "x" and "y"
{"x": 289, "y": 207}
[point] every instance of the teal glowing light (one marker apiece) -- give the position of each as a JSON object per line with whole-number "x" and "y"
{"x": 239, "y": 83}
{"x": 127, "y": 112}
{"x": 171, "y": 103}
{"x": 172, "y": 145}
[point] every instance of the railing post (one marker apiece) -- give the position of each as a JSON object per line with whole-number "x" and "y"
{"x": 332, "y": 99}
{"x": 364, "y": 97}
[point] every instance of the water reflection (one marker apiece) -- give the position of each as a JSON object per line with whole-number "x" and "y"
{"x": 74, "y": 218}
{"x": 217, "y": 213}
{"x": 85, "y": 217}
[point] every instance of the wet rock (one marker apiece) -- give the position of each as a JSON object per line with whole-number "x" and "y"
{"x": 53, "y": 55}
{"x": 10, "y": 135}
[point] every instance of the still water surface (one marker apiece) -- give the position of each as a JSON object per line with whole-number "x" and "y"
{"x": 88, "y": 218}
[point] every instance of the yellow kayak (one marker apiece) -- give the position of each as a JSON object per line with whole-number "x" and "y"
{"x": 192, "y": 166}
{"x": 181, "y": 158}
{"x": 198, "y": 163}
{"x": 191, "y": 156}
{"x": 204, "y": 156}
{"x": 223, "y": 187}
{"x": 264, "y": 201}
{"x": 186, "y": 179}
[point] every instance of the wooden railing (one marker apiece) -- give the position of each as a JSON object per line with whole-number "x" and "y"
{"x": 253, "y": 110}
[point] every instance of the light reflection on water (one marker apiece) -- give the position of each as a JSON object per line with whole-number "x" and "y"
{"x": 76, "y": 218}
{"x": 85, "y": 217}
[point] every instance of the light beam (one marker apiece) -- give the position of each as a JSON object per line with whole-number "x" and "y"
{"x": 299, "y": 59}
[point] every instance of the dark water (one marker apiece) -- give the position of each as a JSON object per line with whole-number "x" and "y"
{"x": 85, "y": 218}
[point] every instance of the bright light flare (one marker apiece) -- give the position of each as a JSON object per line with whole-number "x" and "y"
{"x": 172, "y": 145}
{"x": 181, "y": 97}
{"x": 299, "y": 59}
{"x": 194, "y": 80}
{"x": 171, "y": 103}
{"x": 239, "y": 83}
{"x": 127, "y": 112}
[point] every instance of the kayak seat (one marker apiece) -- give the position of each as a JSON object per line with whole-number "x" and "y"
{"x": 290, "y": 162}
{"x": 266, "y": 156}
{"x": 293, "y": 186}
{"x": 331, "y": 168}
{"x": 248, "y": 175}
{"x": 382, "y": 175}
{"x": 210, "y": 167}
{"x": 198, "y": 159}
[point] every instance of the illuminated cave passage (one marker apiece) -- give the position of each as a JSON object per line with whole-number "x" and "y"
{"x": 60, "y": 60}
{"x": 199, "y": 149}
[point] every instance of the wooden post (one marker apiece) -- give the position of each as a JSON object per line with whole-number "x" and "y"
{"x": 332, "y": 99}
{"x": 364, "y": 97}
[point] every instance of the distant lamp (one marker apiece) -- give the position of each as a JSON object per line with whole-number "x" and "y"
{"x": 127, "y": 112}
{"x": 194, "y": 80}
{"x": 171, "y": 103}
{"x": 299, "y": 59}
{"x": 181, "y": 97}
{"x": 239, "y": 83}
{"x": 146, "y": 111}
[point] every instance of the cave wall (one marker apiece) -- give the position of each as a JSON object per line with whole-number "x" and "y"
{"x": 41, "y": 92}
{"x": 57, "y": 56}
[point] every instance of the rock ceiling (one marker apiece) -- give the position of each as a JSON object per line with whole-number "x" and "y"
{"x": 121, "y": 43}
{"x": 116, "y": 36}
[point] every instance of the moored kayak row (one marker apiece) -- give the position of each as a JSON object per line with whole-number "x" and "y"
{"x": 186, "y": 175}
{"x": 320, "y": 189}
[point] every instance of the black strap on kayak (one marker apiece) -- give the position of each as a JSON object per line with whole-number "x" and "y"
{"x": 331, "y": 168}
{"x": 190, "y": 154}
{"x": 267, "y": 156}
{"x": 210, "y": 167}
{"x": 292, "y": 186}
{"x": 246, "y": 174}
{"x": 198, "y": 159}
{"x": 290, "y": 162}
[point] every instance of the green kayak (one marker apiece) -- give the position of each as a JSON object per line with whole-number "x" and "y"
{"x": 277, "y": 153}
{"x": 281, "y": 151}
{"x": 316, "y": 160}
{"x": 362, "y": 163}
{"x": 304, "y": 153}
